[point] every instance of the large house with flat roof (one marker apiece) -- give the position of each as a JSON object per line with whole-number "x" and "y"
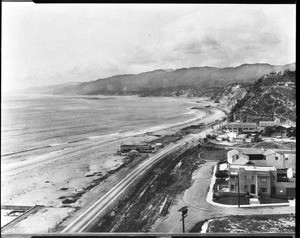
{"x": 261, "y": 172}
{"x": 251, "y": 179}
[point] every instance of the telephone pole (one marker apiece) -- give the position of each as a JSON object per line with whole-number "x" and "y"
{"x": 183, "y": 211}
{"x": 125, "y": 219}
{"x": 239, "y": 189}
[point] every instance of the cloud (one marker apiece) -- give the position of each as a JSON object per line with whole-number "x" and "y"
{"x": 140, "y": 55}
{"x": 47, "y": 43}
{"x": 198, "y": 46}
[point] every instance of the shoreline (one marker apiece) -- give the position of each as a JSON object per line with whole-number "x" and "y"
{"x": 192, "y": 114}
{"x": 70, "y": 171}
{"x": 15, "y": 166}
{"x": 9, "y": 164}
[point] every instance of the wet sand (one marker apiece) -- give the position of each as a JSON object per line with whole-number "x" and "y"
{"x": 66, "y": 171}
{"x": 38, "y": 179}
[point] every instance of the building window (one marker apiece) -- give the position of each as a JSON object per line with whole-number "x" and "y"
{"x": 286, "y": 158}
{"x": 252, "y": 177}
{"x": 245, "y": 187}
{"x": 245, "y": 176}
{"x": 276, "y": 158}
{"x": 232, "y": 187}
{"x": 263, "y": 179}
{"x": 263, "y": 190}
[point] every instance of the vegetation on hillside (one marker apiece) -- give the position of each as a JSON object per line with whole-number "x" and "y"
{"x": 266, "y": 99}
{"x": 170, "y": 82}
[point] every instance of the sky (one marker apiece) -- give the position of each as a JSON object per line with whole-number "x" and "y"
{"x": 46, "y": 44}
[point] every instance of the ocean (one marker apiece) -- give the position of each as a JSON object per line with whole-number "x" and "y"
{"x": 30, "y": 122}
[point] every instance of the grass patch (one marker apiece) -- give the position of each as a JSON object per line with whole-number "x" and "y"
{"x": 232, "y": 200}
{"x": 221, "y": 181}
{"x": 216, "y": 155}
{"x": 268, "y": 200}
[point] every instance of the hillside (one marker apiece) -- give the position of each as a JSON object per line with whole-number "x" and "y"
{"x": 185, "y": 81}
{"x": 268, "y": 98}
{"x": 231, "y": 94}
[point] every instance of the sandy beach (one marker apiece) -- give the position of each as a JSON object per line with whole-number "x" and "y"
{"x": 46, "y": 178}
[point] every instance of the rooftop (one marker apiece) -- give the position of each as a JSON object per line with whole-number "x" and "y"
{"x": 241, "y": 123}
{"x": 284, "y": 126}
{"x": 252, "y": 151}
{"x": 254, "y": 168}
{"x": 269, "y": 152}
{"x": 286, "y": 152}
{"x": 223, "y": 166}
{"x": 241, "y": 160}
{"x": 232, "y": 152}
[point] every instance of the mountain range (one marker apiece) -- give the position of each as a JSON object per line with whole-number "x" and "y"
{"x": 171, "y": 82}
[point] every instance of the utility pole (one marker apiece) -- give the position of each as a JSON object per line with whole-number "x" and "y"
{"x": 125, "y": 219}
{"x": 183, "y": 211}
{"x": 239, "y": 189}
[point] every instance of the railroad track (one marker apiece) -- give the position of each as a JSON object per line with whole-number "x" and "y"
{"x": 90, "y": 217}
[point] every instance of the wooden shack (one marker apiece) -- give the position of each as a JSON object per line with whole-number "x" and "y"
{"x": 139, "y": 148}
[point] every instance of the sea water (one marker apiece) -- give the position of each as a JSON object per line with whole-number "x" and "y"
{"x": 31, "y": 122}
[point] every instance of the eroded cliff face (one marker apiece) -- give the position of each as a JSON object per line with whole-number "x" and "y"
{"x": 231, "y": 94}
{"x": 271, "y": 96}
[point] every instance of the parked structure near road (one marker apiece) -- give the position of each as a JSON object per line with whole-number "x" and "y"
{"x": 239, "y": 127}
{"x": 277, "y": 128}
{"x": 286, "y": 84}
{"x": 281, "y": 130}
{"x": 139, "y": 148}
{"x": 263, "y": 124}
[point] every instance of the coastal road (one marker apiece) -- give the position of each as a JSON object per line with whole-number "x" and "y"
{"x": 89, "y": 218}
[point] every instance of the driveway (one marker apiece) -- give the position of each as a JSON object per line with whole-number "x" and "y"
{"x": 199, "y": 209}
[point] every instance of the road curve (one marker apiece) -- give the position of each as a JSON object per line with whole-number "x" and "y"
{"x": 87, "y": 219}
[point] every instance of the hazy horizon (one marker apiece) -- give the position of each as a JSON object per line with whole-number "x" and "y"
{"x": 70, "y": 82}
{"x": 48, "y": 44}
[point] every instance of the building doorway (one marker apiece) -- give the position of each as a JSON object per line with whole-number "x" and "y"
{"x": 252, "y": 188}
{"x": 273, "y": 191}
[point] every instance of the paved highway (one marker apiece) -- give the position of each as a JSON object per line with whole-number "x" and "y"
{"x": 89, "y": 218}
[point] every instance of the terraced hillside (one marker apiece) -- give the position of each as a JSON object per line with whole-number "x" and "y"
{"x": 268, "y": 98}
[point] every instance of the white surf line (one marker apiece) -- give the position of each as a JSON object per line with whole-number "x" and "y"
{"x": 87, "y": 218}
{"x": 38, "y": 160}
